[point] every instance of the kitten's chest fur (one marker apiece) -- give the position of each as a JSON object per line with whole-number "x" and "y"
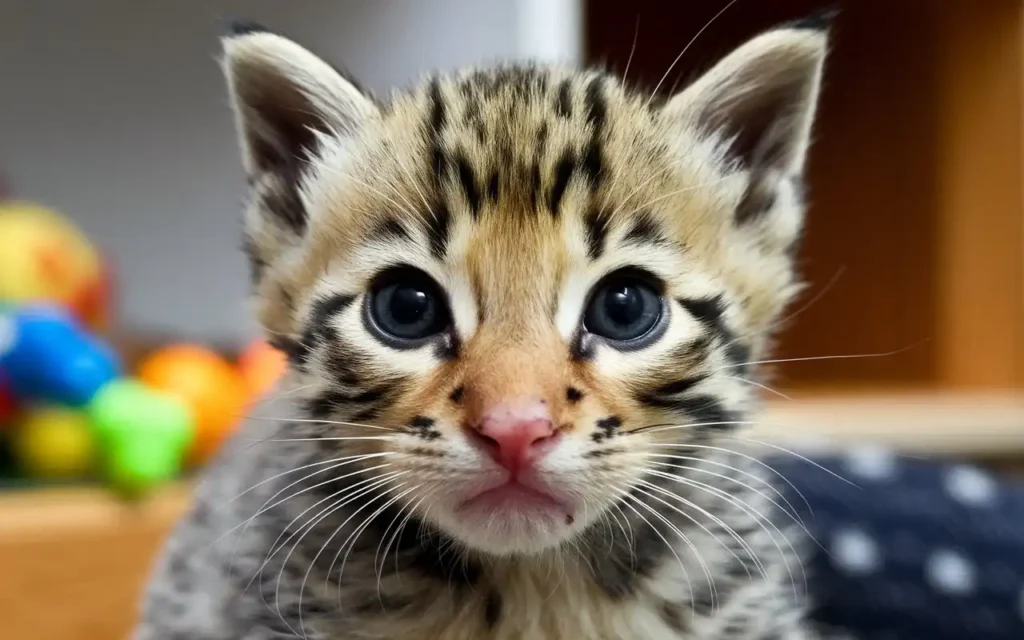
{"x": 543, "y": 601}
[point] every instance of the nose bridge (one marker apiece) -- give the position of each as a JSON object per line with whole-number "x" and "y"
{"x": 515, "y": 354}
{"x": 503, "y": 370}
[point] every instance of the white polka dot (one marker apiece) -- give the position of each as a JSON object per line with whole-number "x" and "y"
{"x": 970, "y": 486}
{"x": 7, "y": 333}
{"x": 855, "y": 553}
{"x": 950, "y": 572}
{"x": 871, "y": 462}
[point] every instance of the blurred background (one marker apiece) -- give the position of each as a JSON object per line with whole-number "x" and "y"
{"x": 116, "y": 144}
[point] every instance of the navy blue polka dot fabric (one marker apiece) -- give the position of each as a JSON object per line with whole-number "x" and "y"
{"x": 912, "y": 549}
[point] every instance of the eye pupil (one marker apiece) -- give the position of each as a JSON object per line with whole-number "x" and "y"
{"x": 624, "y": 308}
{"x": 623, "y": 305}
{"x": 409, "y": 304}
{"x": 405, "y": 306}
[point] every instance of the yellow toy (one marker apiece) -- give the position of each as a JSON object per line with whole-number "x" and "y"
{"x": 44, "y": 257}
{"x": 55, "y": 443}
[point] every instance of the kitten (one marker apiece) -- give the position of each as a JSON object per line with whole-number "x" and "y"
{"x": 523, "y": 308}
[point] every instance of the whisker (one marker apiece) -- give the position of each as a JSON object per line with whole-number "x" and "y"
{"x": 685, "y": 49}
{"x": 763, "y": 521}
{"x": 884, "y": 354}
{"x": 347, "y": 496}
{"x": 789, "y": 317}
{"x": 362, "y": 456}
{"x": 323, "y": 422}
{"x": 791, "y": 512}
{"x": 379, "y": 482}
{"x": 800, "y": 457}
{"x": 632, "y": 49}
{"x": 264, "y": 508}
{"x": 338, "y": 529}
{"x": 347, "y": 493}
{"x": 744, "y": 545}
{"x": 395, "y": 536}
{"x": 328, "y": 439}
{"x": 745, "y": 456}
{"x": 711, "y": 583}
{"x": 758, "y": 385}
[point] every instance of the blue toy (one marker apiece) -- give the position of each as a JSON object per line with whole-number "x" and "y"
{"x": 47, "y": 357}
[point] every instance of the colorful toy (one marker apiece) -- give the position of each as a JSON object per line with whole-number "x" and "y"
{"x": 214, "y": 390}
{"x": 55, "y": 443}
{"x": 45, "y": 258}
{"x": 262, "y": 366}
{"x": 47, "y": 356}
{"x": 8, "y": 406}
{"x": 135, "y": 463}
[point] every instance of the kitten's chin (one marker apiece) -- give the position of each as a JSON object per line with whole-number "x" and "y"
{"x": 512, "y": 518}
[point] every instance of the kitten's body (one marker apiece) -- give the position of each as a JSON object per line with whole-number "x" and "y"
{"x": 517, "y": 192}
{"x": 625, "y": 584}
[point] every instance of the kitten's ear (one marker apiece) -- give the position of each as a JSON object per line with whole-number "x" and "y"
{"x": 282, "y": 94}
{"x": 762, "y": 97}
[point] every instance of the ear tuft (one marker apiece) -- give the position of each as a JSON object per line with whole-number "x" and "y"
{"x": 243, "y": 27}
{"x": 820, "y": 20}
{"x": 760, "y": 100}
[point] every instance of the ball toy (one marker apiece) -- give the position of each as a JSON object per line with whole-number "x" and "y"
{"x": 131, "y": 463}
{"x": 212, "y": 388}
{"x": 262, "y": 366}
{"x": 46, "y": 258}
{"x": 55, "y": 443}
{"x": 48, "y": 357}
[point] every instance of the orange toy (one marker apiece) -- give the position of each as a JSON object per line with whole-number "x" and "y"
{"x": 215, "y": 391}
{"x": 262, "y": 366}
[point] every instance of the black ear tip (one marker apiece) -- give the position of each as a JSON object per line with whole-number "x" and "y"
{"x": 820, "y": 20}
{"x": 235, "y": 28}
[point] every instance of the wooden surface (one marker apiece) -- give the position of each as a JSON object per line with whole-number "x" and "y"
{"x": 975, "y": 425}
{"x": 74, "y": 560}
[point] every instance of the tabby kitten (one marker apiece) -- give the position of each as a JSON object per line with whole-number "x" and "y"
{"x": 523, "y": 308}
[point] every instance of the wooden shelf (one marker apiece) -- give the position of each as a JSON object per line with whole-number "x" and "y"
{"x": 916, "y": 211}
{"x": 954, "y": 424}
{"x": 74, "y": 560}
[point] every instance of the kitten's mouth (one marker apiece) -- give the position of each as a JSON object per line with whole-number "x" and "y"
{"x": 514, "y": 497}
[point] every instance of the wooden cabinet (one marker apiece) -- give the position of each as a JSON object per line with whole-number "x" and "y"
{"x": 915, "y": 234}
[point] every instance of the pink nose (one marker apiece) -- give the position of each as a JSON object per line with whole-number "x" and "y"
{"x": 512, "y": 432}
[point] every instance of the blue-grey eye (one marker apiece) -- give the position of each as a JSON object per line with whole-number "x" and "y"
{"x": 622, "y": 308}
{"x": 408, "y": 306}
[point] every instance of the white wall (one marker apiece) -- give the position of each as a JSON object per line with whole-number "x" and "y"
{"x": 113, "y": 111}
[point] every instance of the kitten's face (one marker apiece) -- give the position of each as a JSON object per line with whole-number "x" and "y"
{"x": 523, "y": 290}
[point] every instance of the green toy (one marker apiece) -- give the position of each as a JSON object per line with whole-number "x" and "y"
{"x": 143, "y": 434}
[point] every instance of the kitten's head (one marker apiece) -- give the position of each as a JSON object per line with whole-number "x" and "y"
{"x": 527, "y": 286}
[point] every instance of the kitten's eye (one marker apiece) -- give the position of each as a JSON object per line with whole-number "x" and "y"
{"x": 623, "y": 308}
{"x": 408, "y": 306}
